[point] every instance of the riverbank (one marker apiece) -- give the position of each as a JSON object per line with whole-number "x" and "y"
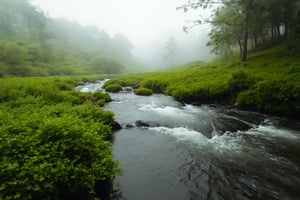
{"x": 268, "y": 83}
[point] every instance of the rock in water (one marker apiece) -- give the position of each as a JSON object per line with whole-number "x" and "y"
{"x": 127, "y": 89}
{"x": 140, "y": 123}
{"x": 116, "y": 126}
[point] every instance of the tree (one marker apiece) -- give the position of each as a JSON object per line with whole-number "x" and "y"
{"x": 21, "y": 18}
{"x": 226, "y": 31}
{"x": 170, "y": 47}
{"x": 238, "y": 8}
{"x": 247, "y": 19}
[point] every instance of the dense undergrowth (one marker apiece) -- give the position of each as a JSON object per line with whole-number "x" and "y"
{"x": 54, "y": 141}
{"x": 269, "y": 82}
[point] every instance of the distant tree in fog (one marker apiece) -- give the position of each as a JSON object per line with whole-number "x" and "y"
{"x": 171, "y": 47}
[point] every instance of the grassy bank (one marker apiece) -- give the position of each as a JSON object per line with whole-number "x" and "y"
{"x": 54, "y": 141}
{"x": 269, "y": 82}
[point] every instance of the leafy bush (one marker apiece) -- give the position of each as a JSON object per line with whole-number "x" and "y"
{"x": 124, "y": 81}
{"x": 100, "y": 95}
{"x": 97, "y": 98}
{"x": 240, "y": 81}
{"x": 52, "y": 147}
{"x": 46, "y": 156}
{"x": 143, "y": 91}
{"x": 13, "y": 54}
{"x": 113, "y": 88}
{"x": 157, "y": 86}
{"x": 273, "y": 97}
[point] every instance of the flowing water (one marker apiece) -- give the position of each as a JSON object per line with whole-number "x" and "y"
{"x": 182, "y": 152}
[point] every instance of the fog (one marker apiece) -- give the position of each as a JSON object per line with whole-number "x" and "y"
{"x": 147, "y": 24}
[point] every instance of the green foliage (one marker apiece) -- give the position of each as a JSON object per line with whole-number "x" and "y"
{"x": 13, "y": 54}
{"x": 100, "y": 95}
{"x": 113, "y": 87}
{"x": 234, "y": 23}
{"x": 240, "y": 81}
{"x": 273, "y": 97}
{"x": 125, "y": 81}
{"x": 143, "y": 91}
{"x": 158, "y": 86}
{"x": 53, "y": 145}
{"x": 225, "y": 36}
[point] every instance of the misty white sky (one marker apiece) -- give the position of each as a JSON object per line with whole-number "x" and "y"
{"x": 143, "y": 22}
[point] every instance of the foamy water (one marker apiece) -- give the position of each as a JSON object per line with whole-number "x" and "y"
{"x": 167, "y": 111}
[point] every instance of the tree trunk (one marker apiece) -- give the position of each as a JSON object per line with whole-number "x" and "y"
{"x": 286, "y": 30}
{"x": 241, "y": 49}
{"x": 231, "y": 54}
{"x": 255, "y": 41}
{"x": 278, "y": 32}
{"x": 272, "y": 33}
{"x": 245, "y": 48}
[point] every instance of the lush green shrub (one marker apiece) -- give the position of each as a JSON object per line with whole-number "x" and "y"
{"x": 274, "y": 97}
{"x": 46, "y": 91}
{"x": 46, "y": 156}
{"x": 113, "y": 88}
{"x": 100, "y": 95}
{"x": 97, "y": 98}
{"x": 240, "y": 81}
{"x": 52, "y": 147}
{"x": 124, "y": 81}
{"x": 156, "y": 85}
{"x": 143, "y": 91}
{"x": 13, "y": 54}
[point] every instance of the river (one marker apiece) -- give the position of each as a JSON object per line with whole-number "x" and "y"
{"x": 186, "y": 152}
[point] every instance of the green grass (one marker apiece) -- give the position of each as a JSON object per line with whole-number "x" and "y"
{"x": 113, "y": 88}
{"x": 143, "y": 91}
{"x": 269, "y": 82}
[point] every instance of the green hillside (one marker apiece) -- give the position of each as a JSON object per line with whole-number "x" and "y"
{"x": 32, "y": 44}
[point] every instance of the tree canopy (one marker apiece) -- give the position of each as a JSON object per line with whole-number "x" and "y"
{"x": 236, "y": 23}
